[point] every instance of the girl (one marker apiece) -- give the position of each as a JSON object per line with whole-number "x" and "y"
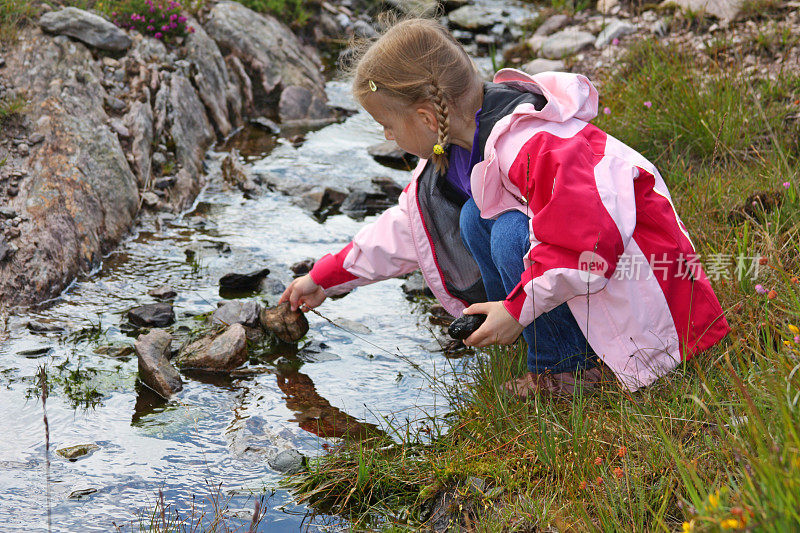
{"x": 523, "y": 211}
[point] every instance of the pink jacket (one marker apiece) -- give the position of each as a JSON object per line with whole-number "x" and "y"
{"x": 605, "y": 236}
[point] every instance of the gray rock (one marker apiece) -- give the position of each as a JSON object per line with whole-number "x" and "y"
{"x": 660, "y": 28}
{"x": 212, "y": 79}
{"x": 389, "y": 151}
{"x": 150, "y": 199}
{"x": 83, "y": 197}
{"x": 245, "y": 313}
{"x": 364, "y": 30}
{"x": 159, "y": 160}
{"x": 140, "y": 125}
{"x": 535, "y": 43}
{"x": 2, "y": 62}
{"x": 23, "y": 149}
{"x": 552, "y": 24}
{"x": 164, "y": 182}
{"x": 35, "y": 138}
{"x": 288, "y": 462}
{"x": 234, "y": 172}
{"x": 415, "y": 7}
{"x": 81, "y": 493}
{"x": 73, "y": 453}
{"x": 566, "y": 43}
{"x": 155, "y": 370}
{"x": 615, "y": 29}
{"x": 722, "y": 9}
{"x": 158, "y": 315}
{"x": 543, "y": 65}
{"x": 149, "y": 50}
{"x": 266, "y": 124}
{"x": 115, "y": 104}
{"x": 92, "y": 29}
{"x": 289, "y": 326}
{"x": 317, "y": 352}
{"x": 301, "y": 105}
{"x": 352, "y": 325}
{"x": 474, "y": 18}
{"x": 119, "y": 128}
{"x": 270, "y": 52}
{"x": 216, "y": 353}
{"x": 190, "y": 129}
{"x": 43, "y": 327}
{"x": 7, "y": 212}
{"x": 164, "y": 292}
{"x": 415, "y": 285}
{"x": 607, "y": 6}
{"x": 302, "y": 267}
{"x": 272, "y": 287}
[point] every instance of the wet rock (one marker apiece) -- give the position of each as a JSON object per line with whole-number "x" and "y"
{"x": 92, "y": 29}
{"x": 82, "y": 197}
{"x": 81, "y": 493}
{"x": 390, "y": 152}
{"x": 288, "y": 462}
{"x": 216, "y": 353}
{"x": 552, "y": 24}
{"x": 352, "y": 326}
{"x": 566, "y": 43}
{"x": 543, "y": 65}
{"x": 271, "y": 53}
{"x": 272, "y": 287}
{"x": 155, "y": 370}
{"x": 190, "y": 128}
{"x": 317, "y": 352}
{"x": 321, "y": 200}
{"x": 43, "y": 327}
{"x": 115, "y": 350}
{"x": 212, "y": 79}
{"x": 614, "y": 30}
{"x": 35, "y": 353}
{"x": 140, "y": 124}
{"x": 235, "y": 173}
{"x": 388, "y": 187}
{"x": 302, "y": 267}
{"x": 722, "y": 9}
{"x": 301, "y": 106}
{"x": 73, "y": 453}
{"x": 415, "y": 285}
{"x": 152, "y": 315}
{"x": 245, "y": 313}
{"x": 359, "y": 204}
{"x": 164, "y": 292}
{"x": 244, "y": 282}
{"x": 266, "y": 124}
{"x": 289, "y": 326}
{"x": 474, "y": 18}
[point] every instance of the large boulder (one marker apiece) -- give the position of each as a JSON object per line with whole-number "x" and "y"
{"x": 216, "y": 353}
{"x": 80, "y": 195}
{"x": 214, "y": 84}
{"x": 155, "y": 370}
{"x": 272, "y": 56}
{"x": 92, "y": 29}
{"x": 190, "y": 129}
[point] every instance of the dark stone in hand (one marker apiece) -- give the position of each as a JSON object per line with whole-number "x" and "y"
{"x": 465, "y": 325}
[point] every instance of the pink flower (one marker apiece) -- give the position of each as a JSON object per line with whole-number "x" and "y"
{"x": 648, "y": 104}
{"x": 786, "y": 184}
{"x": 760, "y": 289}
{"x": 173, "y": 17}
{"x": 182, "y": 19}
{"x": 150, "y": 28}
{"x": 190, "y": 29}
{"x": 152, "y": 9}
{"x": 158, "y": 35}
{"x": 797, "y": 339}
{"x": 606, "y": 110}
{"x": 615, "y": 41}
{"x": 165, "y": 27}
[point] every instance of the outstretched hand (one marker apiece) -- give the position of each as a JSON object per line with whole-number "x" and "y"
{"x": 304, "y": 293}
{"x": 499, "y": 328}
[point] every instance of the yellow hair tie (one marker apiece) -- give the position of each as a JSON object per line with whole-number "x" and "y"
{"x": 437, "y": 149}
{"x": 372, "y": 86}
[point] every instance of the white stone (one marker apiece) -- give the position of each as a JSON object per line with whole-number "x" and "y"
{"x": 566, "y": 43}
{"x": 605, "y": 6}
{"x": 535, "y": 43}
{"x": 722, "y": 9}
{"x": 543, "y": 65}
{"x": 614, "y": 30}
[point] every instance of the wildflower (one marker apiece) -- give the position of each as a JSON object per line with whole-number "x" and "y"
{"x": 772, "y": 294}
{"x": 598, "y": 481}
{"x": 760, "y": 289}
{"x": 731, "y": 523}
{"x": 795, "y": 280}
{"x": 615, "y": 41}
{"x": 762, "y": 260}
{"x": 648, "y": 104}
{"x": 794, "y": 329}
{"x": 688, "y": 527}
{"x": 173, "y": 17}
{"x": 158, "y": 35}
{"x": 165, "y": 27}
{"x": 786, "y": 184}
{"x": 618, "y": 472}
{"x": 713, "y": 500}
{"x": 182, "y": 19}
{"x": 150, "y": 28}
{"x": 582, "y": 485}
{"x": 606, "y": 110}
{"x": 190, "y": 29}
{"x": 622, "y": 451}
{"x": 152, "y": 9}
{"x": 598, "y": 461}
{"x": 787, "y": 343}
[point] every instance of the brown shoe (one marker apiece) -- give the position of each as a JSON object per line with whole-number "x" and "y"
{"x": 562, "y": 384}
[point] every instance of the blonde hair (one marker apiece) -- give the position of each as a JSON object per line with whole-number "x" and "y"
{"x": 417, "y": 60}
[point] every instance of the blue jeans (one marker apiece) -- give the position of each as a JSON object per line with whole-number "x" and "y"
{"x": 555, "y": 342}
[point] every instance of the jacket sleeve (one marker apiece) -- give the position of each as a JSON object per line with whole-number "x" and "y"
{"x": 582, "y": 214}
{"x": 380, "y": 250}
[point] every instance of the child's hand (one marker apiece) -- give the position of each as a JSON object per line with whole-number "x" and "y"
{"x": 303, "y": 292}
{"x": 499, "y": 328}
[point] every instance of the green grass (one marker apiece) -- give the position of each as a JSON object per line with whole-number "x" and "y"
{"x": 714, "y": 445}
{"x": 11, "y": 106}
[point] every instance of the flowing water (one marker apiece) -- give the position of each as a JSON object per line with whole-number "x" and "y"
{"x": 209, "y": 446}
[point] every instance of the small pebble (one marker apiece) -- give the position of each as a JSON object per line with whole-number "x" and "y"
{"x": 13, "y": 191}
{"x": 23, "y": 149}
{"x": 36, "y": 138}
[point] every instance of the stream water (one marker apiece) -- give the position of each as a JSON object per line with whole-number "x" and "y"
{"x": 209, "y": 446}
